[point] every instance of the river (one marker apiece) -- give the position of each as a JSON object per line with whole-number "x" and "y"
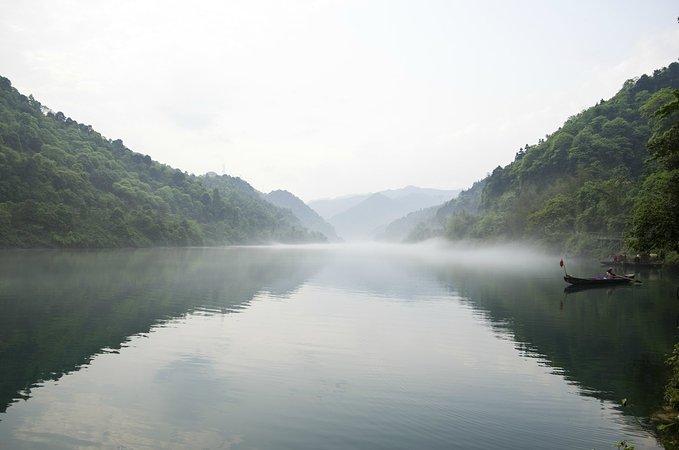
{"x": 338, "y": 347}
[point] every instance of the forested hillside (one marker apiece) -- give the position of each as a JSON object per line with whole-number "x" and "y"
{"x": 403, "y": 228}
{"x": 255, "y": 207}
{"x": 609, "y": 175}
{"x": 309, "y": 218}
{"x": 62, "y": 184}
{"x": 435, "y": 220}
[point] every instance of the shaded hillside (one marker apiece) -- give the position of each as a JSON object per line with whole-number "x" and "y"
{"x": 401, "y": 228}
{"x": 431, "y": 222}
{"x": 578, "y": 189}
{"x": 467, "y": 202}
{"x": 307, "y": 216}
{"x": 369, "y": 218}
{"x": 62, "y": 184}
{"x": 255, "y": 207}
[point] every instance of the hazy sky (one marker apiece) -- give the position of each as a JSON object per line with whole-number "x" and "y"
{"x": 325, "y": 98}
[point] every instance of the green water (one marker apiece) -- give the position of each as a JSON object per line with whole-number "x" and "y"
{"x": 366, "y": 347}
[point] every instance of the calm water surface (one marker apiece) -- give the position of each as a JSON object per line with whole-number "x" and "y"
{"x": 376, "y": 347}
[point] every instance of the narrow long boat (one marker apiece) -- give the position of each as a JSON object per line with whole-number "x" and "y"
{"x": 597, "y": 281}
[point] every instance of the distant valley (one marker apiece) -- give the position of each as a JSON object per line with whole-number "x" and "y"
{"x": 366, "y": 216}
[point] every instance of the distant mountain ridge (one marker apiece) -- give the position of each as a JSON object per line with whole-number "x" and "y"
{"x": 365, "y": 216}
{"x": 309, "y": 218}
{"x": 329, "y": 207}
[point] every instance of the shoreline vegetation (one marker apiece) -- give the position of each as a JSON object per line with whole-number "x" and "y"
{"x": 664, "y": 421}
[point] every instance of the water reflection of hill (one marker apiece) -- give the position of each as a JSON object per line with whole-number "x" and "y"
{"x": 611, "y": 343}
{"x": 61, "y": 308}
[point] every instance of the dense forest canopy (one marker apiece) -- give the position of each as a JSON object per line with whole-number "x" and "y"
{"x": 609, "y": 174}
{"x": 62, "y": 184}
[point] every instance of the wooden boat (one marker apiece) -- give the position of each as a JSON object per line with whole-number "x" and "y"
{"x": 597, "y": 281}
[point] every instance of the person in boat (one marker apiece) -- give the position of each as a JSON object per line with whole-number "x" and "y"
{"x": 610, "y": 275}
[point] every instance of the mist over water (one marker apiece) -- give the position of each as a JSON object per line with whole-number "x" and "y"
{"x": 325, "y": 346}
{"x": 509, "y": 255}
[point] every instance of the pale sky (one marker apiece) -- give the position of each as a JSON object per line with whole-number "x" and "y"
{"x": 326, "y": 98}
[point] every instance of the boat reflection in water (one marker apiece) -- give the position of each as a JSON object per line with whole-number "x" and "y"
{"x": 573, "y": 288}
